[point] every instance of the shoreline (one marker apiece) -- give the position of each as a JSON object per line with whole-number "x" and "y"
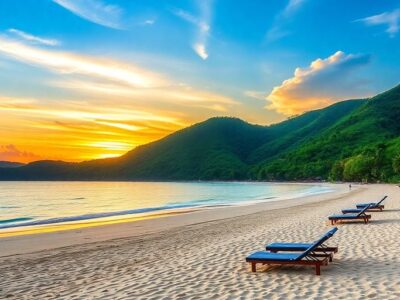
{"x": 59, "y": 235}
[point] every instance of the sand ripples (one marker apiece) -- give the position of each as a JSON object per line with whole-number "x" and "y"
{"x": 206, "y": 261}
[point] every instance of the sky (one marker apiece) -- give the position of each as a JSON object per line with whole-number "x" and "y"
{"x": 89, "y": 79}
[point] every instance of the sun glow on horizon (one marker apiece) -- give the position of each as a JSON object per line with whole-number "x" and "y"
{"x": 112, "y": 107}
{"x": 90, "y": 79}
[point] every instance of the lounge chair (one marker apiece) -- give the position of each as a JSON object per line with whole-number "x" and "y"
{"x": 373, "y": 206}
{"x": 299, "y": 247}
{"x": 361, "y": 215}
{"x": 308, "y": 257}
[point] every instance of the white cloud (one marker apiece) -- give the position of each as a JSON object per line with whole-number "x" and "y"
{"x": 276, "y": 31}
{"x": 34, "y": 39}
{"x": 106, "y": 78}
{"x": 324, "y": 82}
{"x": 390, "y": 19}
{"x": 67, "y": 63}
{"x": 292, "y": 6}
{"x": 201, "y": 50}
{"x": 149, "y": 22}
{"x": 95, "y": 11}
{"x": 255, "y": 94}
{"x": 202, "y": 24}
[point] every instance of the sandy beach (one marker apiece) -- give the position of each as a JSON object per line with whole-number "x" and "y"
{"x": 201, "y": 254}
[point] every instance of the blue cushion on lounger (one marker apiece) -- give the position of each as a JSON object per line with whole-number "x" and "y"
{"x": 302, "y": 246}
{"x": 351, "y": 210}
{"x": 365, "y": 204}
{"x": 264, "y": 255}
{"x": 298, "y": 246}
{"x": 371, "y": 204}
{"x": 346, "y": 216}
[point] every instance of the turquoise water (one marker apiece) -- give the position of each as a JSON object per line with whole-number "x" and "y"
{"x": 40, "y": 203}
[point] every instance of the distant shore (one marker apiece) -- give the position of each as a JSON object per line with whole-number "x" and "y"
{"x": 200, "y": 255}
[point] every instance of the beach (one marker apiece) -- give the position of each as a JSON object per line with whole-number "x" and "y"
{"x": 201, "y": 254}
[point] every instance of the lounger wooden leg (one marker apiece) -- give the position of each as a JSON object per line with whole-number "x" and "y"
{"x": 253, "y": 267}
{"x": 317, "y": 269}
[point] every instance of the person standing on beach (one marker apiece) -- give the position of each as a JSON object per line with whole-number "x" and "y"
{"x": 350, "y": 186}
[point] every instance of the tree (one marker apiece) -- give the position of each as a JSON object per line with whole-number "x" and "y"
{"x": 396, "y": 164}
{"x": 336, "y": 173}
{"x": 359, "y": 168}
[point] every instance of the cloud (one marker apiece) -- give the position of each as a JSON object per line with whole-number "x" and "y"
{"x": 255, "y": 94}
{"x": 277, "y": 31}
{"x": 150, "y": 105}
{"x": 324, "y": 82}
{"x": 67, "y": 63}
{"x": 178, "y": 95}
{"x": 95, "y": 11}
{"x": 202, "y": 24}
{"x": 12, "y": 153}
{"x": 200, "y": 49}
{"x": 390, "y": 19}
{"x": 149, "y": 22}
{"x": 34, "y": 39}
{"x": 292, "y": 6}
{"x": 109, "y": 77}
{"x": 79, "y": 130}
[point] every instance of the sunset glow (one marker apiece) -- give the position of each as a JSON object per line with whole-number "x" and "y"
{"x": 94, "y": 79}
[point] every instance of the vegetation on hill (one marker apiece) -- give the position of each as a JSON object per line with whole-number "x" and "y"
{"x": 362, "y": 146}
{"x": 355, "y": 140}
{"x": 10, "y": 164}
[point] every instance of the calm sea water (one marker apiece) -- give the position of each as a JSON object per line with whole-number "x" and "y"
{"x": 39, "y": 203}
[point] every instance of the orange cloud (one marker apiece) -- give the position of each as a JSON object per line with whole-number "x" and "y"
{"x": 324, "y": 82}
{"x": 78, "y": 130}
{"x": 12, "y": 153}
{"x": 124, "y": 106}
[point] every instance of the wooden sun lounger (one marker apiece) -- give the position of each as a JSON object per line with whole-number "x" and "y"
{"x": 299, "y": 247}
{"x": 356, "y": 216}
{"x": 309, "y": 257}
{"x": 373, "y": 205}
{"x": 316, "y": 262}
{"x": 378, "y": 206}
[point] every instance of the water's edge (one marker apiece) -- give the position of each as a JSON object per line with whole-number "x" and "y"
{"x": 26, "y": 221}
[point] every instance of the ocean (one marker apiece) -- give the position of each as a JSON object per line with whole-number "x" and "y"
{"x": 43, "y": 203}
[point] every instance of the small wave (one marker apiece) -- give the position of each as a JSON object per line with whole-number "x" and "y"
{"x": 78, "y": 198}
{"x": 195, "y": 202}
{"x": 9, "y": 206}
{"x": 94, "y": 216}
{"x": 15, "y": 220}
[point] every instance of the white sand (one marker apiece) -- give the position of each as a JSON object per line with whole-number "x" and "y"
{"x": 201, "y": 255}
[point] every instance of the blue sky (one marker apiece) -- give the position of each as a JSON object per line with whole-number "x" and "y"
{"x": 105, "y": 75}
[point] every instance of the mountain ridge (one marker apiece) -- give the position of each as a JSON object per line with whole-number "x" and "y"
{"x": 349, "y": 140}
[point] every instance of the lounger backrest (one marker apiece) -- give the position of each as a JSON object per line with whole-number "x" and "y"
{"x": 318, "y": 243}
{"x": 364, "y": 210}
{"x": 381, "y": 201}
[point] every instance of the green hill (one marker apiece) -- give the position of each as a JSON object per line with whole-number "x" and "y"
{"x": 10, "y": 164}
{"x": 350, "y": 140}
{"x": 363, "y": 145}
